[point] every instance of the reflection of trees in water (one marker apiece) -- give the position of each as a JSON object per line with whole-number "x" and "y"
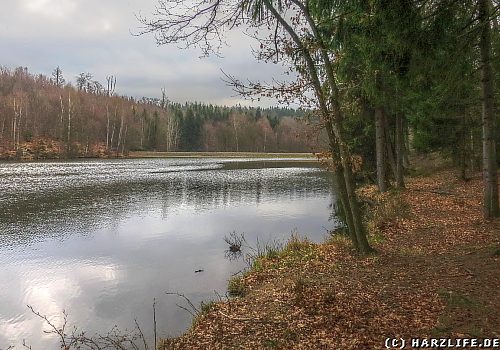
{"x": 217, "y": 191}
{"x": 67, "y": 210}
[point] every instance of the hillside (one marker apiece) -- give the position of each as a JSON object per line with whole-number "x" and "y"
{"x": 42, "y": 117}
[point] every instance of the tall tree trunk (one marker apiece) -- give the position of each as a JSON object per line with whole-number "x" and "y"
{"x": 14, "y": 125}
{"x": 399, "y": 151}
{"x": 124, "y": 139}
{"x": 142, "y": 132}
{"x": 344, "y": 182}
{"x": 3, "y": 128}
{"x": 340, "y": 188}
{"x": 114, "y": 128}
{"x": 112, "y": 135}
{"x": 406, "y": 153}
{"x": 463, "y": 149}
{"x": 265, "y": 138}
{"x": 107, "y": 127}
{"x": 388, "y": 143}
{"x": 236, "y": 133}
{"x": 490, "y": 201}
{"x": 69, "y": 124}
{"x": 120, "y": 133}
{"x": 350, "y": 185}
{"x": 380, "y": 149}
{"x": 26, "y": 115}
{"x": 19, "y": 123}
{"x": 61, "y": 121}
{"x": 472, "y": 159}
{"x": 362, "y": 241}
{"x": 332, "y": 118}
{"x": 341, "y": 192}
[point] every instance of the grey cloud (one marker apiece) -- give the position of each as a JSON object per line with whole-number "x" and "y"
{"x": 94, "y": 36}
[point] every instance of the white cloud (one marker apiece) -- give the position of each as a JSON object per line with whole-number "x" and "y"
{"x": 50, "y": 8}
{"x": 72, "y": 34}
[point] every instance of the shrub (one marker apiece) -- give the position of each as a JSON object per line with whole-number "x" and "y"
{"x": 389, "y": 208}
{"x": 236, "y": 287}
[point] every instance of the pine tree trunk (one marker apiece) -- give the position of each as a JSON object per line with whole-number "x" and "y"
{"x": 406, "y": 142}
{"x": 399, "y": 151}
{"x": 490, "y": 201}
{"x": 388, "y": 144}
{"x": 380, "y": 149}
{"x": 463, "y": 148}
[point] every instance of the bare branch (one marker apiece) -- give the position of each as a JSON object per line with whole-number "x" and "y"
{"x": 194, "y": 310}
{"x": 114, "y": 339}
{"x": 193, "y": 24}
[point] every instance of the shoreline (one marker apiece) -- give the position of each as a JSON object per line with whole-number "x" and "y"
{"x": 302, "y": 157}
{"x": 145, "y": 154}
{"x": 437, "y": 260}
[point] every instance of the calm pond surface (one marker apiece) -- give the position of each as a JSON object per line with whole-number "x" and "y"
{"x": 101, "y": 239}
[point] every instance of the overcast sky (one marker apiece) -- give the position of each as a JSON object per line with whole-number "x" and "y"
{"x": 95, "y": 36}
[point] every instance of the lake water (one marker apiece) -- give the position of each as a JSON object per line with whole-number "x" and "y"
{"x": 101, "y": 239}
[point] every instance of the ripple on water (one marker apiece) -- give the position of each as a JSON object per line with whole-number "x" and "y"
{"x": 102, "y": 238}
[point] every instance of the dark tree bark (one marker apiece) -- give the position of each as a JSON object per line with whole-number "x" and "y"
{"x": 463, "y": 149}
{"x": 342, "y": 196}
{"x": 332, "y": 118}
{"x": 490, "y": 198}
{"x": 310, "y": 56}
{"x": 380, "y": 149}
{"x": 406, "y": 142}
{"x": 399, "y": 151}
{"x": 388, "y": 143}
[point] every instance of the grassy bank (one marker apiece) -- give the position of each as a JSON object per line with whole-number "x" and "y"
{"x": 146, "y": 154}
{"x": 435, "y": 275}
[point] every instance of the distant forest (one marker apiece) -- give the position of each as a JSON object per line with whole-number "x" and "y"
{"x": 47, "y": 117}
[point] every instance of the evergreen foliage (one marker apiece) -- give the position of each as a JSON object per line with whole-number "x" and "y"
{"x": 35, "y": 108}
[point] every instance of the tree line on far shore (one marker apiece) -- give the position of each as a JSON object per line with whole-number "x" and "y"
{"x": 90, "y": 119}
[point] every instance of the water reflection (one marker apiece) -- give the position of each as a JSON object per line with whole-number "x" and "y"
{"x": 101, "y": 239}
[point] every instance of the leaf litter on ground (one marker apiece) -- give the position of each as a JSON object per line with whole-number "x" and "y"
{"x": 435, "y": 274}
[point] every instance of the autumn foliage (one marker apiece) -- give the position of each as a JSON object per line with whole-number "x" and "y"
{"x": 42, "y": 117}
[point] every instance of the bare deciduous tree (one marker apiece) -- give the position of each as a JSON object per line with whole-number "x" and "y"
{"x": 294, "y": 39}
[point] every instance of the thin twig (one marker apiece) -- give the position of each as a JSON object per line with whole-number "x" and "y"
{"x": 141, "y": 335}
{"x": 154, "y": 321}
{"x": 195, "y": 309}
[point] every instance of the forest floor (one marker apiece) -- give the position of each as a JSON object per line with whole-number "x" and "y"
{"x": 436, "y": 273}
